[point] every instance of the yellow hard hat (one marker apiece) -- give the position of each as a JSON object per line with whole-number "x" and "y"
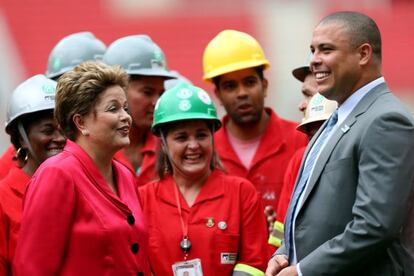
{"x": 231, "y": 51}
{"x": 319, "y": 109}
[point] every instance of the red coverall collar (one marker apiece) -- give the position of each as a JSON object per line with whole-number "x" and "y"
{"x": 273, "y": 136}
{"x": 210, "y": 190}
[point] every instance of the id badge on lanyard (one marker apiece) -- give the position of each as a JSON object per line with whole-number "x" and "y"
{"x": 188, "y": 268}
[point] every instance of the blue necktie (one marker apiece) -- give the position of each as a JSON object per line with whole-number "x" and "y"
{"x": 310, "y": 161}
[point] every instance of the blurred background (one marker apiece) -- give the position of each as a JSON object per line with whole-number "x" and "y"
{"x": 29, "y": 29}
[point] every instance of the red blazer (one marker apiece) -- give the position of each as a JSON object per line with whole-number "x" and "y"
{"x": 223, "y": 198}
{"x": 12, "y": 188}
{"x": 73, "y": 224}
{"x": 277, "y": 145}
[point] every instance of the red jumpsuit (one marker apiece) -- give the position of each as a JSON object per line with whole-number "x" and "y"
{"x": 223, "y": 200}
{"x": 6, "y": 161}
{"x": 146, "y": 172}
{"x": 288, "y": 185}
{"x": 74, "y": 224}
{"x": 4, "y": 262}
{"x": 278, "y": 144}
{"x": 12, "y": 188}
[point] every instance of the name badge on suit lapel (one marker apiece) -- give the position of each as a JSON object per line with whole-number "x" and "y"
{"x": 345, "y": 128}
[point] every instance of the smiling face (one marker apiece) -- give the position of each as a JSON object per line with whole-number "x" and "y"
{"x": 107, "y": 125}
{"x": 45, "y": 137}
{"x": 143, "y": 93}
{"x": 335, "y": 63}
{"x": 242, "y": 94}
{"x": 190, "y": 148}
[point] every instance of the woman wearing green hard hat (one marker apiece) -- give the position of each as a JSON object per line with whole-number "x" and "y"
{"x": 201, "y": 221}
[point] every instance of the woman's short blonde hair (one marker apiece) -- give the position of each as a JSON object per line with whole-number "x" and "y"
{"x": 78, "y": 91}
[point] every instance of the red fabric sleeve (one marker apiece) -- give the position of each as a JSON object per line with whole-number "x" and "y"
{"x": 288, "y": 184}
{"x": 4, "y": 252}
{"x": 48, "y": 210}
{"x": 254, "y": 230}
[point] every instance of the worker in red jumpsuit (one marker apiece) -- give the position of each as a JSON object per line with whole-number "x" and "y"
{"x": 317, "y": 110}
{"x": 67, "y": 53}
{"x": 308, "y": 89}
{"x": 254, "y": 142}
{"x": 200, "y": 219}
{"x": 145, "y": 63}
{"x": 36, "y": 136}
{"x": 81, "y": 213}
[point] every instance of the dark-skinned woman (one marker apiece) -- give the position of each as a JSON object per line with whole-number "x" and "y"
{"x": 35, "y": 136}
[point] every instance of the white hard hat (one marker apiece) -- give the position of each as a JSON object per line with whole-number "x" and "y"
{"x": 73, "y": 50}
{"x": 319, "y": 109}
{"x": 34, "y": 94}
{"x": 138, "y": 55}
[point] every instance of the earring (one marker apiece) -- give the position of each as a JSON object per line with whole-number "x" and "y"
{"x": 19, "y": 156}
{"x": 85, "y": 132}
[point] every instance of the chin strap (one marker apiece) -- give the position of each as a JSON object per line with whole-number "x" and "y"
{"x": 26, "y": 140}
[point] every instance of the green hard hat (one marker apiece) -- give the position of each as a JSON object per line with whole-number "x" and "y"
{"x": 184, "y": 102}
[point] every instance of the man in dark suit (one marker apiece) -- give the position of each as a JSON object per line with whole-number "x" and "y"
{"x": 348, "y": 212}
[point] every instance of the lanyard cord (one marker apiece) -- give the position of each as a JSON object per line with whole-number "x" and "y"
{"x": 184, "y": 226}
{"x": 185, "y": 243}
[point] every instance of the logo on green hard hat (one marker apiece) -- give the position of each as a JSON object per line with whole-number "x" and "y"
{"x": 184, "y": 93}
{"x": 204, "y": 97}
{"x": 184, "y": 105}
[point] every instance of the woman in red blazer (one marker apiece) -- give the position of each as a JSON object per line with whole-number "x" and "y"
{"x": 81, "y": 212}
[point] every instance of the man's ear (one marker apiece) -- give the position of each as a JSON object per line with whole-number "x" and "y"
{"x": 265, "y": 86}
{"x": 365, "y": 53}
{"x": 79, "y": 122}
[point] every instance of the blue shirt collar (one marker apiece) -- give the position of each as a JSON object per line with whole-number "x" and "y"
{"x": 346, "y": 108}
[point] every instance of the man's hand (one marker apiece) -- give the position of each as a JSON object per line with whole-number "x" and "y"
{"x": 276, "y": 264}
{"x": 289, "y": 271}
{"x": 270, "y": 217}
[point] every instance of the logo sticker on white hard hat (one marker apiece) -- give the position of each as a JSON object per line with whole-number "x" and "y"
{"x": 48, "y": 89}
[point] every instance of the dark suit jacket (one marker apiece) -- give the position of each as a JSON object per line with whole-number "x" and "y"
{"x": 353, "y": 217}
